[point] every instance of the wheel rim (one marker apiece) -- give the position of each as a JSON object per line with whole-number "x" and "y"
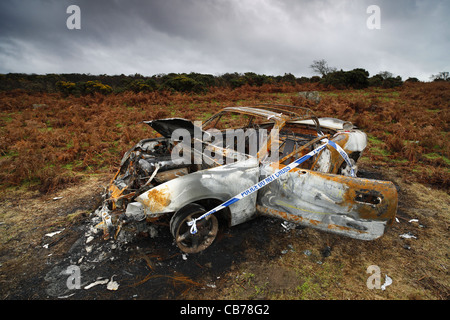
{"x": 207, "y": 229}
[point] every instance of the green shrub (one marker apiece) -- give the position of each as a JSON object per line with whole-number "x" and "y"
{"x": 66, "y": 87}
{"x": 183, "y": 83}
{"x": 356, "y": 79}
{"x": 91, "y": 87}
{"x": 392, "y": 82}
{"x": 141, "y": 85}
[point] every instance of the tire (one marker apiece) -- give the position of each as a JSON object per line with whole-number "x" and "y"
{"x": 207, "y": 229}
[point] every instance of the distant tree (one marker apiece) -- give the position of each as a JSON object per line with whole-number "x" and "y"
{"x": 321, "y": 67}
{"x": 385, "y": 75}
{"x": 441, "y": 76}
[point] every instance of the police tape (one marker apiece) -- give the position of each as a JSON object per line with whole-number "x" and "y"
{"x": 271, "y": 178}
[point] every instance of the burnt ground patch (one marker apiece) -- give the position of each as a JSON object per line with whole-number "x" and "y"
{"x": 146, "y": 264}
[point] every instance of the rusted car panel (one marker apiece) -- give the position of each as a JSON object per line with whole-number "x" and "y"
{"x": 218, "y": 183}
{"x": 323, "y": 192}
{"x": 355, "y": 207}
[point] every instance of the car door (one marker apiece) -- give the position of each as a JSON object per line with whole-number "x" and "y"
{"x": 355, "y": 207}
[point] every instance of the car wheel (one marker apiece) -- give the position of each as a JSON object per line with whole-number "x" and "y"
{"x": 207, "y": 229}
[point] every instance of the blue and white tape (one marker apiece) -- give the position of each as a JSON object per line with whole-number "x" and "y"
{"x": 271, "y": 178}
{"x": 344, "y": 155}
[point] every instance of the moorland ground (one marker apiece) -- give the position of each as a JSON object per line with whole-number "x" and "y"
{"x": 68, "y": 147}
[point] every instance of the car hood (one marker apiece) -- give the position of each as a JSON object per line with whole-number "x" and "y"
{"x": 167, "y": 126}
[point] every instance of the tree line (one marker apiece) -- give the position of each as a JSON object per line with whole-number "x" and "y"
{"x": 82, "y": 84}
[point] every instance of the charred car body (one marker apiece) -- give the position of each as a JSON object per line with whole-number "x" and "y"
{"x": 155, "y": 181}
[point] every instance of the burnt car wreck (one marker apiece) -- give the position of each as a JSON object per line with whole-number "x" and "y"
{"x": 238, "y": 165}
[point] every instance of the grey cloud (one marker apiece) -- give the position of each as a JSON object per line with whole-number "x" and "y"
{"x": 217, "y": 36}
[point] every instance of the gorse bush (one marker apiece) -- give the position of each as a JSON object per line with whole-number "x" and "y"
{"x": 387, "y": 80}
{"x": 183, "y": 83}
{"x": 141, "y": 85}
{"x": 89, "y": 87}
{"x": 354, "y": 79}
{"x": 66, "y": 87}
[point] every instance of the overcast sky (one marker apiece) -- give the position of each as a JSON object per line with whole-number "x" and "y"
{"x": 271, "y": 37}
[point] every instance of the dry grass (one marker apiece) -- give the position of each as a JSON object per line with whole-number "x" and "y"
{"x": 70, "y": 144}
{"x": 48, "y": 141}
